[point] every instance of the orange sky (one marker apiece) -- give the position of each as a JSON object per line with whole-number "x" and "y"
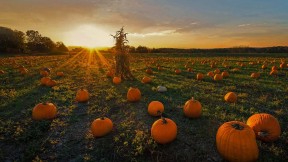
{"x": 161, "y": 23}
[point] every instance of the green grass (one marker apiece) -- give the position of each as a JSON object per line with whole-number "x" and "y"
{"x": 68, "y": 136}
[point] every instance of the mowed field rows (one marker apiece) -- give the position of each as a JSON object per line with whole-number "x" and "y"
{"x": 68, "y": 136}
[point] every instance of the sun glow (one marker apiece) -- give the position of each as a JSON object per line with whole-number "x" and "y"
{"x": 88, "y": 36}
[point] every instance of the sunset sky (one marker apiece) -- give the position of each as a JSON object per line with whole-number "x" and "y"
{"x": 153, "y": 23}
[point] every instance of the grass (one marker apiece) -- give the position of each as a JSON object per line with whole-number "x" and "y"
{"x": 68, "y": 136}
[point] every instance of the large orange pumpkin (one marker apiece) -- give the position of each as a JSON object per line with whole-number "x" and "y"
{"x": 101, "y": 126}
{"x": 133, "y": 94}
{"x": 164, "y": 130}
{"x": 82, "y": 95}
{"x": 236, "y": 141}
{"x": 265, "y": 126}
{"x": 192, "y": 108}
{"x": 230, "y": 97}
{"x": 43, "y": 111}
{"x": 155, "y": 108}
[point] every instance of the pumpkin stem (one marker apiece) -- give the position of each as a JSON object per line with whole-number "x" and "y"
{"x": 159, "y": 112}
{"x": 263, "y": 134}
{"x": 102, "y": 118}
{"x": 192, "y": 99}
{"x": 237, "y": 126}
{"x": 164, "y": 121}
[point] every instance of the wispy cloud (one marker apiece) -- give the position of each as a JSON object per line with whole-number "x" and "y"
{"x": 160, "y": 33}
{"x": 244, "y": 25}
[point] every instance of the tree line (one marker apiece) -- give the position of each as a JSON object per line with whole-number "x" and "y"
{"x": 14, "y": 41}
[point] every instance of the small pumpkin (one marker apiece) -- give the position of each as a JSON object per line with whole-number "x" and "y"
{"x": 218, "y": 77}
{"x": 155, "y": 108}
{"x": 149, "y": 71}
{"x": 265, "y": 126}
{"x": 45, "y": 80}
{"x": 146, "y": 79}
{"x": 159, "y": 68}
{"x": 199, "y": 76}
{"x": 24, "y": 71}
{"x": 2, "y": 72}
{"x": 44, "y": 111}
{"x": 274, "y": 72}
{"x": 82, "y": 95}
{"x": 189, "y": 69}
{"x": 230, "y": 97}
{"x": 236, "y": 141}
{"x": 225, "y": 74}
{"x": 164, "y": 130}
{"x": 264, "y": 66}
{"x": 192, "y": 108}
{"x": 217, "y": 71}
{"x": 117, "y": 80}
{"x": 177, "y": 71}
{"x": 210, "y": 74}
{"x": 51, "y": 83}
{"x": 60, "y": 74}
{"x": 44, "y": 73}
{"x": 283, "y": 65}
{"x": 101, "y": 127}
{"x": 133, "y": 94}
{"x": 110, "y": 73}
{"x": 255, "y": 75}
{"x": 274, "y": 68}
{"x": 161, "y": 89}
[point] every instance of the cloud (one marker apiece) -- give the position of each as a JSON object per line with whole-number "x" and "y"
{"x": 161, "y": 33}
{"x": 244, "y": 25}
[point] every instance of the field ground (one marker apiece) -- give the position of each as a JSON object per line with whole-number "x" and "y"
{"x": 68, "y": 136}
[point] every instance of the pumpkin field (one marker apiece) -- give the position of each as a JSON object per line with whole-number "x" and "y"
{"x": 65, "y": 133}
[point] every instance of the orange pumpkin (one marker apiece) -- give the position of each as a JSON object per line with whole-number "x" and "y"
{"x": 236, "y": 141}
{"x": 51, "y": 83}
{"x": 2, "y": 72}
{"x": 101, "y": 127}
{"x": 265, "y": 126}
{"x": 117, "y": 80}
{"x": 146, "y": 79}
{"x": 133, "y": 94}
{"x": 110, "y": 73}
{"x": 264, "y": 66}
{"x": 189, "y": 69}
{"x": 274, "y": 68}
{"x": 44, "y": 73}
{"x": 159, "y": 68}
{"x": 43, "y": 111}
{"x": 45, "y": 80}
{"x": 210, "y": 74}
{"x": 225, "y": 74}
{"x": 177, "y": 71}
{"x": 23, "y": 71}
{"x": 218, "y": 77}
{"x": 255, "y": 75}
{"x": 192, "y": 108}
{"x": 216, "y": 71}
{"x": 274, "y": 72}
{"x": 199, "y": 76}
{"x": 164, "y": 130}
{"x": 155, "y": 108}
{"x": 60, "y": 74}
{"x": 149, "y": 71}
{"x": 82, "y": 95}
{"x": 230, "y": 97}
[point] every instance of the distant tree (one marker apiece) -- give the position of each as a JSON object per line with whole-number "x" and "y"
{"x": 142, "y": 49}
{"x": 60, "y": 46}
{"x": 122, "y": 63}
{"x": 11, "y": 41}
{"x": 37, "y": 43}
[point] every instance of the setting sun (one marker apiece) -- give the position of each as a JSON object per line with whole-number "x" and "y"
{"x": 88, "y": 36}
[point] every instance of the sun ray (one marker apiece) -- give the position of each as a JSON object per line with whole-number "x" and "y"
{"x": 103, "y": 60}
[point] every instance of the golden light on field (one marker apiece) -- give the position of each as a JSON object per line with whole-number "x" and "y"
{"x": 88, "y": 36}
